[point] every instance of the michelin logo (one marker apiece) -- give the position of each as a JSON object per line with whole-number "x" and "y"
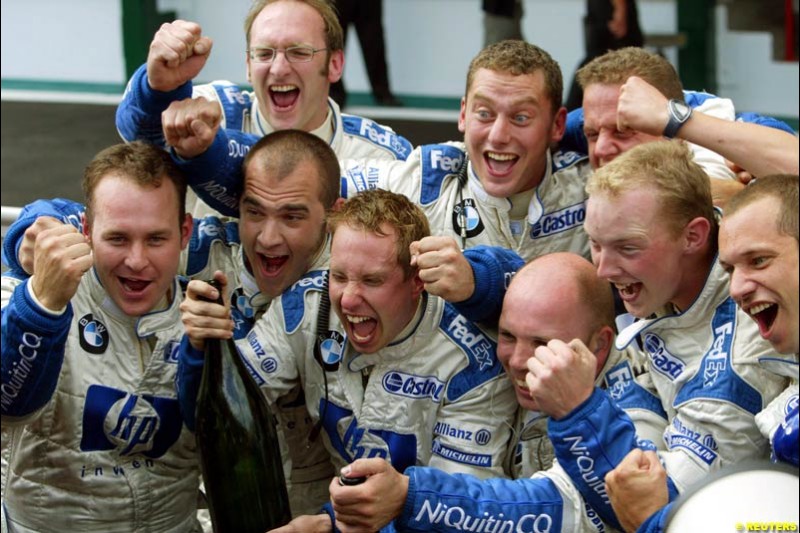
{"x": 558, "y": 221}
{"x": 474, "y": 459}
{"x": 663, "y": 362}
{"x": 411, "y": 386}
{"x": 459, "y": 519}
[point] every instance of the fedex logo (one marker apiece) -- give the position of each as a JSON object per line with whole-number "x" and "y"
{"x": 381, "y": 136}
{"x": 118, "y": 420}
{"x": 442, "y": 162}
{"x": 234, "y": 95}
{"x": 474, "y": 341}
{"x": 310, "y": 281}
{"x": 716, "y": 361}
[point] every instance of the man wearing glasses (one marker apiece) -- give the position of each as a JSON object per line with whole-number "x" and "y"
{"x": 294, "y": 53}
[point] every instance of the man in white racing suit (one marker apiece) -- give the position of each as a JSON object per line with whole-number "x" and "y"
{"x": 653, "y": 231}
{"x": 571, "y": 304}
{"x": 758, "y": 249}
{"x": 89, "y": 347}
{"x": 395, "y": 373}
{"x": 764, "y": 216}
{"x": 291, "y": 181}
{"x": 632, "y": 96}
{"x": 294, "y": 53}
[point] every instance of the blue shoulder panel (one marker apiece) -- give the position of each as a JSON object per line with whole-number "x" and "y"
{"x": 716, "y": 378}
{"x": 564, "y": 159}
{"x": 628, "y": 394}
{"x": 481, "y": 352}
{"x": 574, "y": 138}
{"x": 235, "y": 104}
{"x": 377, "y": 135}
{"x": 205, "y": 232}
{"x": 293, "y": 298}
{"x": 696, "y": 99}
{"x": 762, "y": 120}
{"x": 438, "y": 162}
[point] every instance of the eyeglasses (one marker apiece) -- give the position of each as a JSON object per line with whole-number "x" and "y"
{"x": 293, "y": 54}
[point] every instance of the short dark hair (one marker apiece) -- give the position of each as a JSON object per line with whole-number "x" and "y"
{"x": 783, "y": 187}
{"x": 142, "y": 163}
{"x": 519, "y": 58}
{"x": 281, "y": 151}
{"x": 372, "y": 209}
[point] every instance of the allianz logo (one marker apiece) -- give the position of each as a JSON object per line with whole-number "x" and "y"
{"x": 411, "y": 386}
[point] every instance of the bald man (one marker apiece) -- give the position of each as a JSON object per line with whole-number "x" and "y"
{"x": 571, "y": 306}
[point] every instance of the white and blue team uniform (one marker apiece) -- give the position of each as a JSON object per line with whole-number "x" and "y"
{"x": 437, "y": 395}
{"x": 215, "y": 245}
{"x": 706, "y": 367}
{"x": 96, "y": 437}
{"x": 439, "y": 179}
{"x": 547, "y": 501}
{"x": 456, "y": 204}
{"x": 219, "y": 169}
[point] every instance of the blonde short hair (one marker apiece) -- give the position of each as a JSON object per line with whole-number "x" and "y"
{"x": 616, "y": 66}
{"x": 668, "y": 167}
{"x": 373, "y": 210}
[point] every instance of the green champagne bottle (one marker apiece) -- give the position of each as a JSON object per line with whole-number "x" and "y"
{"x": 239, "y": 451}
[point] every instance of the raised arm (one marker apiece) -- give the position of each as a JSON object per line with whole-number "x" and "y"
{"x": 758, "y": 149}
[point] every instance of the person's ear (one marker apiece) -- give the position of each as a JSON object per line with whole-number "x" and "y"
{"x": 696, "y": 234}
{"x": 600, "y": 345}
{"x": 186, "y": 230}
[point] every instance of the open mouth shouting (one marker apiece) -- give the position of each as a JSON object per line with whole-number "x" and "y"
{"x": 283, "y": 97}
{"x": 133, "y": 287}
{"x": 362, "y": 328}
{"x": 499, "y": 163}
{"x": 629, "y": 291}
{"x": 764, "y": 314}
{"x": 271, "y": 265}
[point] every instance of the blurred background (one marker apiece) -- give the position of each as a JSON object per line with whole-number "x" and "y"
{"x": 65, "y": 64}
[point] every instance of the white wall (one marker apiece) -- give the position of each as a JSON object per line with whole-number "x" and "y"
{"x": 743, "y": 74}
{"x": 52, "y": 40}
{"x": 429, "y": 45}
{"x": 429, "y": 42}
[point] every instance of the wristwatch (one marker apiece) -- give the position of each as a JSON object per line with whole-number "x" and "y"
{"x": 679, "y": 113}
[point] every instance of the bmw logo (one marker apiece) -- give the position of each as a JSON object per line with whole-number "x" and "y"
{"x": 93, "y": 334}
{"x": 465, "y": 215}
